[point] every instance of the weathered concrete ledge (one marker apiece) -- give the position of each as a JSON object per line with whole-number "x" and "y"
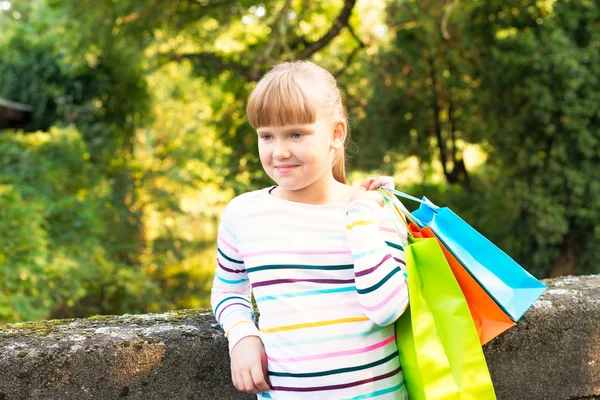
{"x": 553, "y": 353}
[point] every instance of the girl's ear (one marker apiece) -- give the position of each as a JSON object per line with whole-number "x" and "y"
{"x": 338, "y": 135}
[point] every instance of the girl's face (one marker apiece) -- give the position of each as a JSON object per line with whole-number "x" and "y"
{"x": 296, "y": 156}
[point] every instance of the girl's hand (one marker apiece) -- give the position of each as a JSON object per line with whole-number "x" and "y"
{"x": 366, "y": 191}
{"x": 249, "y": 366}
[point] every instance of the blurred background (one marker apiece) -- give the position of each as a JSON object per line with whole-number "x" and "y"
{"x": 123, "y": 132}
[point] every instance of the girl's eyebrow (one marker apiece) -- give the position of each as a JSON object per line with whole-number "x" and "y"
{"x": 292, "y": 128}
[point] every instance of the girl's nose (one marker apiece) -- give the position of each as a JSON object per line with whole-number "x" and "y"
{"x": 281, "y": 151}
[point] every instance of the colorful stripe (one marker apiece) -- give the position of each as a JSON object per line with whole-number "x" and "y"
{"x": 229, "y": 305}
{"x": 335, "y": 353}
{"x": 360, "y": 223}
{"x": 316, "y": 238}
{"x": 394, "y": 245}
{"x": 318, "y": 307}
{"x": 369, "y": 252}
{"x": 231, "y": 282}
{"x": 335, "y": 371}
{"x": 226, "y": 243}
{"x": 233, "y": 271}
{"x": 244, "y": 321}
{"x": 313, "y": 324}
{"x": 371, "y": 331}
{"x": 229, "y": 298}
{"x": 229, "y": 258}
{"x": 229, "y": 232}
{"x": 380, "y": 392}
{"x": 301, "y": 266}
{"x": 369, "y": 270}
{"x": 280, "y": 281}
{"x": 393, "y": 317}
{"x": 400, "y": 261}
{"x": 308, "y": 293}
{"x": 378, "y": 284}
{"x": 294, "y": 251}
{"x": 386, "y": 300}
{"x": 339, "y": 386}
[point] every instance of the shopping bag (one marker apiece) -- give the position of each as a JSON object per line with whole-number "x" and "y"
{"x": 489, "y": 319}
{"x": 438, "y": 345}
{"x": 510, "y": 285}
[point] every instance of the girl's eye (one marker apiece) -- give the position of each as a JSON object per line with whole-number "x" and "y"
{"x": 266, "y": 137}
{"x": 297, "y": 135}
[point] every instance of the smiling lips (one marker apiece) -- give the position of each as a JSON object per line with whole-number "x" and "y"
{"x": 282, "y": 169}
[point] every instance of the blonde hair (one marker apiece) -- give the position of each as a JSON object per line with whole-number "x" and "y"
{"x": 279, "y": 99}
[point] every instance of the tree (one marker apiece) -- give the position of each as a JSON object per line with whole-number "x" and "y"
{"x": 541, "y": 71}
{"x": 422, "y": 99}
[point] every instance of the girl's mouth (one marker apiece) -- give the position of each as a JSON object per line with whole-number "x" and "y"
{"x": 282, "y": 169}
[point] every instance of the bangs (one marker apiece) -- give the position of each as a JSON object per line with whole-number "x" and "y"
{"x": 279, "y": 100}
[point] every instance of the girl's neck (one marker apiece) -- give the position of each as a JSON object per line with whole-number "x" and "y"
{"x": 323, "y": 191}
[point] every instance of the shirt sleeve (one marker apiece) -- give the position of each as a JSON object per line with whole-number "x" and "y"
{"x": 378, "y": 254}
{"x": 230, "y": 295}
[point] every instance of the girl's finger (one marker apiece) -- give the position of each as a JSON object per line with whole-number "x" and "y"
{"x": 259, "y": 380}
{"x": 387, "y": 181}
{"x": 237, "y": 383}
{"x": 249, "y": 383}
{"x": 234, "y": 378}
{"x": 366, "y": 184}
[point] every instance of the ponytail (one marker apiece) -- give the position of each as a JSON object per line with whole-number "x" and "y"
{"x": 339, "y": 166}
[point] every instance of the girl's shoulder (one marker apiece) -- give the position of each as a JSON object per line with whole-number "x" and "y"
{"x": 244, "y": 202}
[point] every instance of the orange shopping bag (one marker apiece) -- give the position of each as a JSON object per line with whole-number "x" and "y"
{"x": 489, "y": 319}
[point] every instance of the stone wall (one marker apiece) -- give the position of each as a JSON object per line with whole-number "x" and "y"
{"x": 553, "y": 353}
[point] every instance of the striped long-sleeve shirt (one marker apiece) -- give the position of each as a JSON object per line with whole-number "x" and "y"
{"x": 329, "y": 283}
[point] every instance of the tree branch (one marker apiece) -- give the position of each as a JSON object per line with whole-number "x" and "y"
{"x": 216, "y": 61}
{"x": 300, "y": 40}
{"x": 353, "y": 54}
{"x": 447, "y": 12}
{"x": 437, "y": 125}
{"x": 340, "y": 22}
{"x": 355, "y": 36}
{"x": 253, "y": 73}
{"x": 276, "y": 30}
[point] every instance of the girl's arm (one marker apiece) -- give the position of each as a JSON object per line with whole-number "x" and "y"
{"x": 233, "y": 309}
{"x": 378, "y": 261}
{"x": 230, "y": 297}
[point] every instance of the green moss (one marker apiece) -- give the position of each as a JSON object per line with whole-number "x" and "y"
{"x": 44, "y": 328}
{"x": 22, "y": 354}
{"x": 9, "y": 335}
{"x": 55, "y": 322}
{"x": 99, "y": 317}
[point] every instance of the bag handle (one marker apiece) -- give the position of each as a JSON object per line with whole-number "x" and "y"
{"x": 395, "y": 215}
{"x": 401, "y": 208}
{"x": 409, "y": 197}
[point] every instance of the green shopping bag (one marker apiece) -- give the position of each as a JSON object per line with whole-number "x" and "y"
{"x": 440, "y": 351}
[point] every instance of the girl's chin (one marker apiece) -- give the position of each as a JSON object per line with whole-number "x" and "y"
{"x": 290, "y": 184}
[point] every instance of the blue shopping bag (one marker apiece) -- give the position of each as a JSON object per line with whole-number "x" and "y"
{"x": 510, "y": 285}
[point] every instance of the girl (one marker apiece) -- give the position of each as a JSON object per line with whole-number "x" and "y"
{"x": 323, "y": 262}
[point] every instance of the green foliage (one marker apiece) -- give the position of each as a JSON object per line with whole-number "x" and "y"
{"x": 53, "y": 256}
{"x": 422, "y": 95}
{"x": 520, "y": 79}
{"x": 24, "y": 254}
{"x": 542, "y": 69}
{"x": 114, "y": 208}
